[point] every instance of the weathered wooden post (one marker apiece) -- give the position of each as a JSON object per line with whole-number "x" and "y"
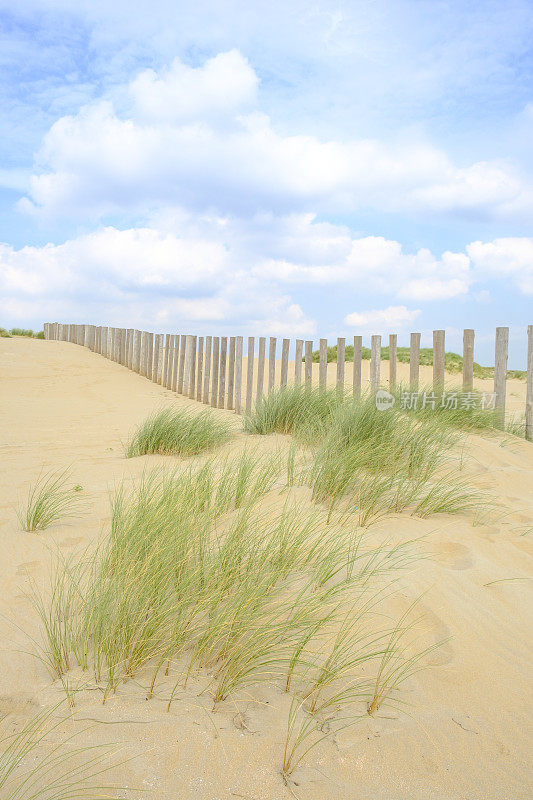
{"x": 137, "y": 350}
{"x": 178, "y": 352}
{"x": 393, "y": 360}
{"x": 222, "y": 372}
{"x": 200, "y": 369}
{"x": 238, "y": 374}
{"x": 250, "y": 373}
{"x": 529, "y": 388}
{"x": 260, "y": 369}
{"x": 272, "y": 364}
{"x": 192, "y": 379}
{"x": 375, "y": 362}
{"x": 500, "y": 373}
{"x": 468, "y": 360}
{"x": 439, "y": 359}
{"x": 298, "y": 359}
{"x": 157, "y": 358}
{"x": 414, "y": 360}
{"x": 308, "y": 364}
{"x": 216, "y": 365}
{"x": 104, "y": 341}
{"x": 181, "y": 367}
{"x": 166, "y": 361}
{"x": 357, "y": 364}
{"x": 231, "y": 373}
{"x": 323, "y": 364}
{"x": 284, "y": 362}
{"x": 207, "y": 367}
{"x": 341, "y": 357}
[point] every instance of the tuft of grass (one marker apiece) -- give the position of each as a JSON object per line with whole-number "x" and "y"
{"x": 48, "y": 501}
{"x": 35, "y": 765}
{"x": 450, "y": 407}
{"x": 293, "y": 409}
{"x": 208, "y": 575}
{"x": 175, "y": 431}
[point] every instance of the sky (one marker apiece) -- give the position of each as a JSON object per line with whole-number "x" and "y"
{"x": 301, "y": 169}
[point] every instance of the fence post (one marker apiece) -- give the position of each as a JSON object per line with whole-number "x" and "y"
{"x": 298, "y": 357}
{"x": 284, "y": 362}
{"x": 136, "y": 360}
{"x": 250, "y": 373}
{"x": 272, "y": 364}
{"x": 150, "y": 355}
{"x": 238, "y": 374}
{"x": 177, "y": 353}
{"x": 468, "y": 360}
{"x": 341, "y": 356}
{"x": 200, "y": 369}
{"x": 500, "y": 373}
{"x": 187, "y": 365}
{"x": 222, "y": 372}
{"x": 214, "y": 381}
{"x": 529, "y": 389}
{"x": 231, "y": 373}
{"x": 123, "y": 346}
{"x": 439, "y": 350}
{"x": 357, "y": 364}
{"x": 414, "y": 360}
{"x": 393, "y": 358}
{"x": 323, "y": 364}
{"x": 104, "y": 341}
{"x": 207, "y": 367}
{"x": 181, "y": 363}
{"x": 375, "y": 362}
{"x": 131, "y": 333}
{"x": 260, "y": 369}
{"x": 166, "y": 361}
{"x": 192, "y": 373}
{"x": 157, "y": 357}
{"x": 308, "y": 364}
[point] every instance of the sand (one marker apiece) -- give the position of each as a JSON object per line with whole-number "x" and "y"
{"x": 465, "y": 733}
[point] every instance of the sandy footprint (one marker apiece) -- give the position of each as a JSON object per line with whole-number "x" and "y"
{"x": 452, "y": 555}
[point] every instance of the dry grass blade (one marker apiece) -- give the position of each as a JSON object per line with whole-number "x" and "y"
{"x": 41, "y": 761}
{"x": 48, "y": 501}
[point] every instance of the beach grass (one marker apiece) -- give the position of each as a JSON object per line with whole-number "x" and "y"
{"x": 42, "y": 760}
{"x": 48, "y": 501}
{"x": 201, "y": 570}
{"x": 177, "y": 431}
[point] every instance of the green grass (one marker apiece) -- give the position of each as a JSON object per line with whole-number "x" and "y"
{"x": 48, "y": 501}
{"x": 370, "y": 462}
{"x": 450, "y": 407}
{"x": 43, "y": 761}
{"x": 453, "y": 362}
{"x": 218, "y": 573}
{"x": 21, "y": 332}
{"x": 294, "y": 409}
{"x": 175, "y": 431}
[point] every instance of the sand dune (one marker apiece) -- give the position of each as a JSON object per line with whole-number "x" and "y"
{"x": 465, "y": 736}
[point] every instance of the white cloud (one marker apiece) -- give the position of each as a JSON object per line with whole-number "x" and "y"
{"x": 510, "y": 257}
{"x": 392, "y": 317}
{"x": 223, "y": 85}
{"x": 191, "y": 137}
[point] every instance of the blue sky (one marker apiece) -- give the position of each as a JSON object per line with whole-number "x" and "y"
{"x": 279, "y": 168}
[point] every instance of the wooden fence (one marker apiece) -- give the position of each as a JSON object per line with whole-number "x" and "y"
{"x": 210, "y": 369}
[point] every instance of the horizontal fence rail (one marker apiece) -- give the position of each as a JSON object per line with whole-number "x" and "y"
{"x": 214, "y": 370}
